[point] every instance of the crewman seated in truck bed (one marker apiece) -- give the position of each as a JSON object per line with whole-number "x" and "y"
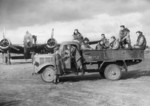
{"x": 114, "y": 43}
{"x": 85, "y": 45}
{"x": 103, "y": 43}
{"x": 141, "y": 41}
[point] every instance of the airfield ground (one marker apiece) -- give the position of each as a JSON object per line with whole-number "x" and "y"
{"x": 18, "y": 87}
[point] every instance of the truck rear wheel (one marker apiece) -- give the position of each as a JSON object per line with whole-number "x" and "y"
{"x": 113, "y": 72}
{"x": 48, "y": 75}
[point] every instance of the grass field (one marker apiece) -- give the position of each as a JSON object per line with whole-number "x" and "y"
{"x": 18, "y": 87}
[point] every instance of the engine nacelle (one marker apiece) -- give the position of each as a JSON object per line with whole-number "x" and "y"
{"x": 5, "y": 44}
{"x": 51, "y": 43}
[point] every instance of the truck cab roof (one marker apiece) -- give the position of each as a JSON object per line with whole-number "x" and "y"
{"x": 74, "y": 42}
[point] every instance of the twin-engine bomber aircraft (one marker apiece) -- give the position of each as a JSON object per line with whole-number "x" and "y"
{"x": 29, "y": 47}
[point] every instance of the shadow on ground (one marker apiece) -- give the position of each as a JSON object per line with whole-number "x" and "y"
{"x": 136, "y": 74}
{"x": 9, "y": 100}
{"x": 131, "y": 74}
{"x": 74, "y": 78}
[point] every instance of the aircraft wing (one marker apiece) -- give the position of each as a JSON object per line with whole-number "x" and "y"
{"x": 5, "y": 45}
{"x": 15, "y": 49}
{"x": 38, "y": 48}
{"x": 41, "y": 48}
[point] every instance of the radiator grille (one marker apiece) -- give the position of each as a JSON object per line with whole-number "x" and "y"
{"x": 46, "y": 59}
{"x": 41, "y": 60}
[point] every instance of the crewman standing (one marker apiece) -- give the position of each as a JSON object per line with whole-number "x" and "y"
{"x": 124, "y": 37}
{"x": 77, "y": 36}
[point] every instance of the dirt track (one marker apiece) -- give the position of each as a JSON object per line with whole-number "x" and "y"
{"x": 19, "y": 88}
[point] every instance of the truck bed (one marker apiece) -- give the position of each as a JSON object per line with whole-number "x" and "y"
{"x": 112, "y": 55}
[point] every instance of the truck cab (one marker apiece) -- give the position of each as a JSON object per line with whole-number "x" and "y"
{"x": 61, "y": 62}
{"x": 70, "y": 58}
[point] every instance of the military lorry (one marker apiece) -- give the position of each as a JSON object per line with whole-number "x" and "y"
{"x": 109, "y": 63}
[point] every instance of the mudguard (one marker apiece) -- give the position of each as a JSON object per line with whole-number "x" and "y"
{"x": 41, "y": 67}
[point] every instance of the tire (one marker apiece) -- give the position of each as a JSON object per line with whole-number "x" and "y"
{"x": 113, "y": 72}
{"x": 48, "y": 75}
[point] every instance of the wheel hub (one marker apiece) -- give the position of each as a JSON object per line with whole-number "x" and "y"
{"x": 48, "y": 75}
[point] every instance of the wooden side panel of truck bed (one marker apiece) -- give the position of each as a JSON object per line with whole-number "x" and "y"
{"x": 112, "y": 55}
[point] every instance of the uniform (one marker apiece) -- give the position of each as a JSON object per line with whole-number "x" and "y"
{"x": 99, "y": 47}
{"x": 124, "y": 38}
{"x": 85, "y": 46}
{"x": 102, "y": 44}
{"x": 114, "y": 45}
{"x": 141, "y": 42}
{"x": 77, "y": 36}
{"x": 59, "y": 67}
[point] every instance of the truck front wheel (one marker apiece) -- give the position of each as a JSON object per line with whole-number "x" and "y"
{"x": 48, "y": 75}
{"x": 113, "y": 72}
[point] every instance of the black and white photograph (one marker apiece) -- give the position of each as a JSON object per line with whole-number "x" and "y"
{"x": 74, "y": 52}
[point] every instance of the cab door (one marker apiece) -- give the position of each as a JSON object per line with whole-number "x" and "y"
{"x": 66, "y": 56}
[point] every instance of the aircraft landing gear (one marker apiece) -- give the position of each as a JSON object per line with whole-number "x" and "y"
{"x": 7, "y": 58}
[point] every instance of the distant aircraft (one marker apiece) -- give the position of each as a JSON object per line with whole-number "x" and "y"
{"x": 47, "y": 47}
{"x": 29, "y": 47}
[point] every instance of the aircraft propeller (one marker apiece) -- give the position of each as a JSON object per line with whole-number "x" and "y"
{"x": 4, "y": 44}
{"x": 51, "y": 43}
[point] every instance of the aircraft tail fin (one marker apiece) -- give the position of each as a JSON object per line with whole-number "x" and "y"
{"x": 4, "y": 33}
{"x": 52, "y": 33}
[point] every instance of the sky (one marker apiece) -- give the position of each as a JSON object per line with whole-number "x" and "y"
{"x": 91, "y": 17}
